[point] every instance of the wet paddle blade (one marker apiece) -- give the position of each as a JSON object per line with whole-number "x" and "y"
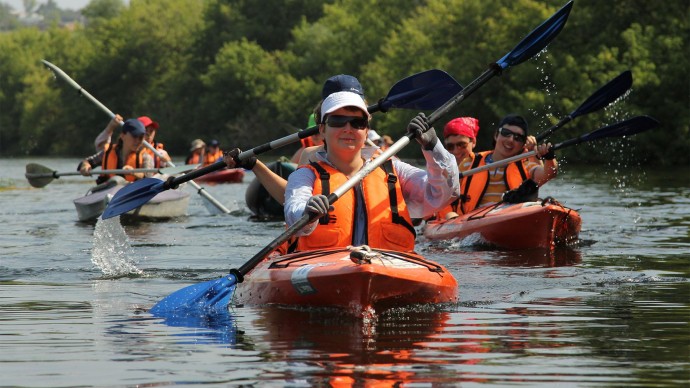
{"x": 538, "y": 39}
{"x": 605, "y": 95}
{"x": 132, "y": 196}
{"x": 212, "y": 295}
{"x": 628, "y": 127}
{"x": 427, "y": 90}
{"x": 38, "y": 175}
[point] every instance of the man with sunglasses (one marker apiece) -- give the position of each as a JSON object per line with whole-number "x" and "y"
{"x": 378, "y": 211}
{"x": 488, "y": 187}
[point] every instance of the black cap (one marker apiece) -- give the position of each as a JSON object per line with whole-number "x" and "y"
{"x": 341, "y": 83}
{"x": 513, "y": 119}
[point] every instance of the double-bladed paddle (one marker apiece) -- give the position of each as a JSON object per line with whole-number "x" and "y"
{"x": 422, "y": 91}
{"x": 200, "y": 190}
{"x": 601, "y": 98}
{"x": 620, "y": 129}
{"x": 39, "y": 175}
{"x": 215, "y": 294}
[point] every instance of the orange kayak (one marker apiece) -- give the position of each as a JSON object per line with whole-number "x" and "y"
{"x": 356, "y": 281}
{"x": 227, "y": 175}
{"x": 540, "y": 224}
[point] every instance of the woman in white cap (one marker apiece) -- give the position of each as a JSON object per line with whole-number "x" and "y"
{"x": 196, "y": 152}
{"x": 368, "y": 214}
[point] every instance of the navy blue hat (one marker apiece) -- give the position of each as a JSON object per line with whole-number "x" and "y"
{"x": 134, "y": 126}
{"x": 341, "y": 83}
{"x": 214, "y": 143}
{"x": 513, "y": 119}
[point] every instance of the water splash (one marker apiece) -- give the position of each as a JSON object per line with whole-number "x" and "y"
{"x": 112, "y": 252}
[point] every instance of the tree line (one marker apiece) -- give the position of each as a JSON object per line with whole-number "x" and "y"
{"x": 247, "y": 72}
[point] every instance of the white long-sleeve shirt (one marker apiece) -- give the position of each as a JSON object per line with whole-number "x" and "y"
{"x": 425, "y": 192}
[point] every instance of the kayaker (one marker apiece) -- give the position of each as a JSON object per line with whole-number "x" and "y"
{"x": 213, "y": 153}
{"x": 459, "y": 138}
{"x": 151, "y": 128}
{"x": 197, "y": 150}
{"x": 308, "y": 143}
{"x": 367, "y": 214}
{"x": 125, "y": 154}
{"x": 511, "y": 138}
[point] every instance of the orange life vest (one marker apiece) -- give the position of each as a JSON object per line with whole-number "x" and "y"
{"x": 112, "y": 161}
{"x": 389, "y": 224}
{"x": 193, "y": 159}
{"x": 210, "y": 158}
{"x": 473, "y": 187}
{"x": 156, "y": 159}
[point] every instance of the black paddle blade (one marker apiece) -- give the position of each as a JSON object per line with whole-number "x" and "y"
{"x": 623, "y": 128}
{"x": 427, "y": 90}
{"x": 132, "y": 196}
{"x": 539, "y": 38}
{"x": 605, "y": 95}
{"x": 39, "y": 175}
{"x": 212, "y": 295}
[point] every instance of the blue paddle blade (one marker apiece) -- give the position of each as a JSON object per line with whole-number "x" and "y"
{"x": 606, "y": 94}
{"x": 427, "y": 90}
{"x": 212, "y": 295}
{"x": 132, "y": 196}
{"x": 539, "y": 38}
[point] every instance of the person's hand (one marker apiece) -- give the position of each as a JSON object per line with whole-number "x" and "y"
{"x": 530, "y": 143}
{"x": 85, "y": 169}
{"x": 423, "y": 132}
{"x": 318, "y": 205}
{"x": 231, "y": 158}
{"x": 546, "y": 152}
{"x": 115, "y": 123}
{"x": 526, "y": 192}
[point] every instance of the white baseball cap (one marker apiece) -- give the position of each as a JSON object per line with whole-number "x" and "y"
{"x": 342, "y": 99}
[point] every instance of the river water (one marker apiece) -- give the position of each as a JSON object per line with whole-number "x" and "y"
{"x": 613, "y": 310}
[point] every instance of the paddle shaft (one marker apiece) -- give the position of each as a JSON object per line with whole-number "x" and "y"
{"x": 200, "y": 190}
{"x": 56, "y": 174}
{"x": 623, "y": 128}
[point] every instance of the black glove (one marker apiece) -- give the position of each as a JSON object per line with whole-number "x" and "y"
{"x": 551, "y": 155}
{"x": 247, "y": 164}
{"x": 423, "y": 132}
{"x": 318, "y": 205}
{"x": 528, "y": 191}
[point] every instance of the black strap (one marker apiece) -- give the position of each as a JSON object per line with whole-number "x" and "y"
{"x": 391, "y": 180}
{"x": 325, "y": 178}
{"x": 465, "y": 197}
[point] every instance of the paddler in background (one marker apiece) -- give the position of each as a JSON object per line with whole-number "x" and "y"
{"x": 197, "y": 149}
{"x": 521, "y": 178}
{"x": 274, "y": 183}
{"x": 459, "y": 138}
{"x": 213, "y": 153}
{"x": 126, "y": 154}
{"x": 368, "y": 214}
{"x": 150, "y": 126}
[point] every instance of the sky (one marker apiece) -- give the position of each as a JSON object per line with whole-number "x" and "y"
{"x": 62, "y": 4}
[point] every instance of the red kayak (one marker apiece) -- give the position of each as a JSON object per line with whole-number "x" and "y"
{"x": 227, "y": 175}
{"x": 540, "y": 224}
{"x": 356, "y": 280}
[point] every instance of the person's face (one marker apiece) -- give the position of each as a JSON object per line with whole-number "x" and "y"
{"x": 340, "y": 132}
{"x": 150, "y": 133}
{"x": 132, "y": 142}
{"x": 459, "y": 145}
{"x": 510, "y": 140}
{"x": 213, "y": 149}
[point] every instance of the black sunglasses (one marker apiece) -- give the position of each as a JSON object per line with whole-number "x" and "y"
{"x": 356, "y": 122}
{"x": 505, "y": 132}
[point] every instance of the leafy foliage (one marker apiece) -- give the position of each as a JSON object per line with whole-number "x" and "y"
{"x": 246, "y": 72}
